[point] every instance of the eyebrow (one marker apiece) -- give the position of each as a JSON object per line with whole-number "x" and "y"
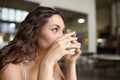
{"x": 57, "y": 26}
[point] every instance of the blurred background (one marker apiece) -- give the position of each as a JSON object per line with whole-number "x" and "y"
{"x": 96, "y": 22}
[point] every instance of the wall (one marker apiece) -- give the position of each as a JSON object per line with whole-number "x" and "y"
{"x": 103, "y": 18}
{"x": 83, "y": 6}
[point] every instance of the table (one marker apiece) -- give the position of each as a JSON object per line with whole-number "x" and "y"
{"x": 111, "y": 57}
{"x": 107, "y": 60}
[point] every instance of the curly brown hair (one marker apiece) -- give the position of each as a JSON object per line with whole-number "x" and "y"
{"x": 25, "y": 44}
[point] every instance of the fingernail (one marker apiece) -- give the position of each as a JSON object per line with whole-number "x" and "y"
{"x": 79, "y": 46}
{"x": 76, "y": 38}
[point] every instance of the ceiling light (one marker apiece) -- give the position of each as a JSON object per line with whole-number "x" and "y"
{"x": 81, "y": 20}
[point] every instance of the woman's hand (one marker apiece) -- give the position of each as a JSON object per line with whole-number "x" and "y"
{"x": 77, "y": 51}
{"x": 72, "y": 58}
{"x": 60, "y": 48}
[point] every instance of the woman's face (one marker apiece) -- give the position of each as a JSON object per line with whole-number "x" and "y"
{"x": 51, "y": 31}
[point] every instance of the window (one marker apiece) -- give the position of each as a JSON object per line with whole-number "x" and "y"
{"x": 5, "y": 13}
{"x": 10, "y": 14}
{"x": 9, "y": 17}
{"x": 7, "y": 28}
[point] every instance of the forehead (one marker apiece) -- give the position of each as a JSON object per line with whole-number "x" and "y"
{"x": 56, "y": 19}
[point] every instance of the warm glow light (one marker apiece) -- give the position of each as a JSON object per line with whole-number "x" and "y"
{"x": 68, "y": 30}
{"x": 12, "y": 25}
{"x": 99, "y": 40}
{"x": 1, "y": 39}
{"x": 81, "y": 20}
{"x": 11, "y": 38}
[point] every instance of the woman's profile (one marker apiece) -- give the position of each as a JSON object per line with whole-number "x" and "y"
{"x": 37, "y": 47}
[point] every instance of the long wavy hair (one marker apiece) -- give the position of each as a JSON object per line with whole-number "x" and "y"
{"x": 25, "y": 44}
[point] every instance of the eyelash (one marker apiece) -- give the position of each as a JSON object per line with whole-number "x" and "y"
{"x": 55, "y": 29}
{"x": 64, "y": 31}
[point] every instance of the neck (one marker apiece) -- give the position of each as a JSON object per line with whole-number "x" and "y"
{"x": 39, "y": 58}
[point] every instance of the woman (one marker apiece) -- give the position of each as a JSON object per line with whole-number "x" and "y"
{"x": 38, "y": 46}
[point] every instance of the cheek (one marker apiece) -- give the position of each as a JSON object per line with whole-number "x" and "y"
{"x": 46, "y": 41}
{"x": 51, "y": 40}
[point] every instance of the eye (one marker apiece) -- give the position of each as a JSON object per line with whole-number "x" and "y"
{"x": 55, "y": 30}
{"x": 64, "y": 31}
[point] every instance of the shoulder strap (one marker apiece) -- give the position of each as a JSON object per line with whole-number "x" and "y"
{"x": 24, "y": 72}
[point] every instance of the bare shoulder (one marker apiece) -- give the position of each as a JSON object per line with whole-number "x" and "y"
{"x": 11, "y": 72}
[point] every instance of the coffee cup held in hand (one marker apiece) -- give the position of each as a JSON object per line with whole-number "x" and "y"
{"x": 71, "y": 49}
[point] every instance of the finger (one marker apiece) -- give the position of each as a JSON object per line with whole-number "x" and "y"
{"x": 74, "y": 35}
{"x": 77, "y": 53}
{"x": 69, "y": 52}
{"x": 71, "y": 46}
{"x": 69, "y": 40}
{"x": 75, "y": 42}
{"x": 67, "y": 35}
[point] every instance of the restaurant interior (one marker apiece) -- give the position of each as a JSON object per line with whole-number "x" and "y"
{"x": 96, "y": 22}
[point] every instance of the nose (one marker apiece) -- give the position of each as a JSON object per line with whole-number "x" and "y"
{"x": 60, "y": 34}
